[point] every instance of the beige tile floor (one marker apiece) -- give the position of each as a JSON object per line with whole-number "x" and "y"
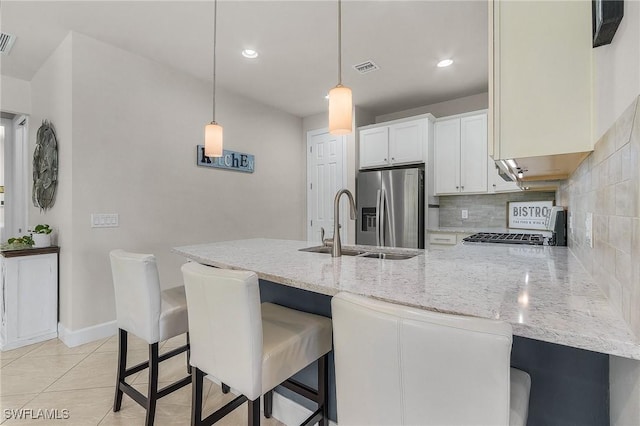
{"x": 51, "y": 376}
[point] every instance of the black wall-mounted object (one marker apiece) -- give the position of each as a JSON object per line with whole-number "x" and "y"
{"x": 605, "y": 17}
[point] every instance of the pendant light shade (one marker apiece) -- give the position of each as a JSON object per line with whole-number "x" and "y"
{"x": 340, "y": 99}
{"x": 340, "y": 110}
{"x": 213, "y": 131}
{"x": 213, "y": 140}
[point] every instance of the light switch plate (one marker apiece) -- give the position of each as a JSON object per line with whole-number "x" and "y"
{"x": 104, "y": 220}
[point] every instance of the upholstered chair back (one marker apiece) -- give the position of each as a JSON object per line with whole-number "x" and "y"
{"x": 400, "y": 365}
{"x": 137, "y": 293}
{"x": 225, "y": 325}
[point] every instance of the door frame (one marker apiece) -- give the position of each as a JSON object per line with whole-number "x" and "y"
{"x": 344, "y": 234}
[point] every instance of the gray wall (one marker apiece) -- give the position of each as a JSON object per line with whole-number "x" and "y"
{"x": 485, "y": 211}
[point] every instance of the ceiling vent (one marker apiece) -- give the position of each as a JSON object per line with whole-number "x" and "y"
{"x": 6, "y": 42}
{"x": 366, "y": 67}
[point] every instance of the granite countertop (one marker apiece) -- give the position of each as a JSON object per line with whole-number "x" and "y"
{"x": 543, "y": 292}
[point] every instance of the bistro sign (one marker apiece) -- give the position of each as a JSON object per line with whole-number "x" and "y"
{"x": 529, "y": 214}
{"x": 230, "y": 160}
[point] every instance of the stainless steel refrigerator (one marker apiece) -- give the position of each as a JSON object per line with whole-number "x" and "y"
{"x": 391, "y": 208}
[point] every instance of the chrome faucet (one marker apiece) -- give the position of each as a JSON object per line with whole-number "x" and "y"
{"x": 336, "y": 250}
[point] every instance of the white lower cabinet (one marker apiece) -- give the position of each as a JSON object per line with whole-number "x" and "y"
{"x": 28, "y": 297}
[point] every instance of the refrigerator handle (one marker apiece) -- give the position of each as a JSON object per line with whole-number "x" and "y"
{"x": 390, "y": 219}
{"x": 379, "y": 213}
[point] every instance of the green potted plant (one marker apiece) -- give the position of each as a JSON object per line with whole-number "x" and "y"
{"x": 18, "y": 243}
{"x": 41, "y": 235}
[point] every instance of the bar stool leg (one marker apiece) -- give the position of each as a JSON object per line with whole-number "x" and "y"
{"x": 254, "y": 412}
{"x": 152, "y": 394}
{"x": 268, "y": 404}
{"x": 196, "y": 395}
{"x": 122, "y": 366}
{"x": 188, "y": 354}
{"x": 323, "y": 389}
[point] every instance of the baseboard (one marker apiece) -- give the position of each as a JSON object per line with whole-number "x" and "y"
{"x": 73, "y": 338}
{"x": 284, "y": 409}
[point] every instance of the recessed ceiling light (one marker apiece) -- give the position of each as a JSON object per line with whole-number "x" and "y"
{"x": 326, "y": 96}
{"x": 249, "y": 53}
{"x": 445, "y": 63}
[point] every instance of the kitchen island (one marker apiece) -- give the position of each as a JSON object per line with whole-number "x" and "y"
{"x": 563, "y": 324}
{"x": 543, "y": 292}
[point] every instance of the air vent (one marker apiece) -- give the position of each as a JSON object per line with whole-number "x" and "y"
{"x": 366, "y": 67}
{"x": 6, "y": 42}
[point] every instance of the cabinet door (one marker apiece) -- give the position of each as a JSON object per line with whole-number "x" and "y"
{"x": 542, "y": 90}
{"x": 31, "y": 292}
{"x": 406, "y": 142}
{"x": 447, "y": 157}
{"x": 473, "y": 154}
{"x": 374, "y": 147}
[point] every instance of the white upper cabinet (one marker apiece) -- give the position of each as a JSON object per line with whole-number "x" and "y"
{"x": 540, "y": 93}
{"x": 406, "y": 142}
{"x": 447, "y": 156}
{"x": 374, "y": 147}
{"x": 473, "y": 149}
{"x": 393, "y": 144}
{"x": 460, "y": 155}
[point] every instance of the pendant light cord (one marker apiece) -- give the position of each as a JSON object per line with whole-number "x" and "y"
{"x": 339, "y": 42}
{"x": 215, "y": 30}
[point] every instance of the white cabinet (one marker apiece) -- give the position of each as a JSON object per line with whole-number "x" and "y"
{"x": 28, "y": 297}
{"x": 460, "y": 153}
{"x": 393, "y": 144}
{"x": 374, "y": 147}
{"x": 541, "y": 93}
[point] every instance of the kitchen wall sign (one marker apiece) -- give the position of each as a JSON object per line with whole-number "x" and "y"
{"x": 528, "y": 214}
{"x": 230, "y": 160}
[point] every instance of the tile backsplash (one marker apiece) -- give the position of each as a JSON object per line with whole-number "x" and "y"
{"x": 485, "y": 211}
{"x": 606, "y": 186}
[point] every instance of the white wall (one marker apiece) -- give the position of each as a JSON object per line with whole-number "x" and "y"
{"x": 15, "y": 95}
{"x": 617, "y": 70}
{"x": 442, "y": 109}
{"x": 51, "y": 100}
{"x": 136, "y": 125}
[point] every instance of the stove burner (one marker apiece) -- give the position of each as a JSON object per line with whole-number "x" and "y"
{"x": 495, "y": 237}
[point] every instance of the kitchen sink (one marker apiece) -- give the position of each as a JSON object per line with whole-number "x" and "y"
{"x": 388, "y": 256}
{"x": 361, "y": 253}
{"x": 327, "y": 250}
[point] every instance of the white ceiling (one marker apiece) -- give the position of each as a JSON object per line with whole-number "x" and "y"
{"x": 297, "y": 42}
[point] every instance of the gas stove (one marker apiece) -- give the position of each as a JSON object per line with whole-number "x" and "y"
{"x": 506, "y": 238}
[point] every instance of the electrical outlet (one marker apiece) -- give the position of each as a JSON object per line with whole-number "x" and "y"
{"x": 588, "y": 233}
{"x": 104, "y": 220}
{"x": 465, "y": 214}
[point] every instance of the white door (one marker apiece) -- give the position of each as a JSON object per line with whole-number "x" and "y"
{"x": 374, "y": 147}
{"x": 406, "y": 142}
{"x": 447, "y": 156}
{"x": 473, "y": 154}
{"x": 326, "y": 174}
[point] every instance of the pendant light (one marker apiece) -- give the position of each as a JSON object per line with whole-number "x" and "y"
{"x": 213, "y": 131}
{"x": 340, "y": 100}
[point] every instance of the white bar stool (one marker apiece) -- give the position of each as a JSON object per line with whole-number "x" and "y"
{"x": 251, "y": 347}
{"x": 400, "y": 365}
{"x": 151, "y": 314}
